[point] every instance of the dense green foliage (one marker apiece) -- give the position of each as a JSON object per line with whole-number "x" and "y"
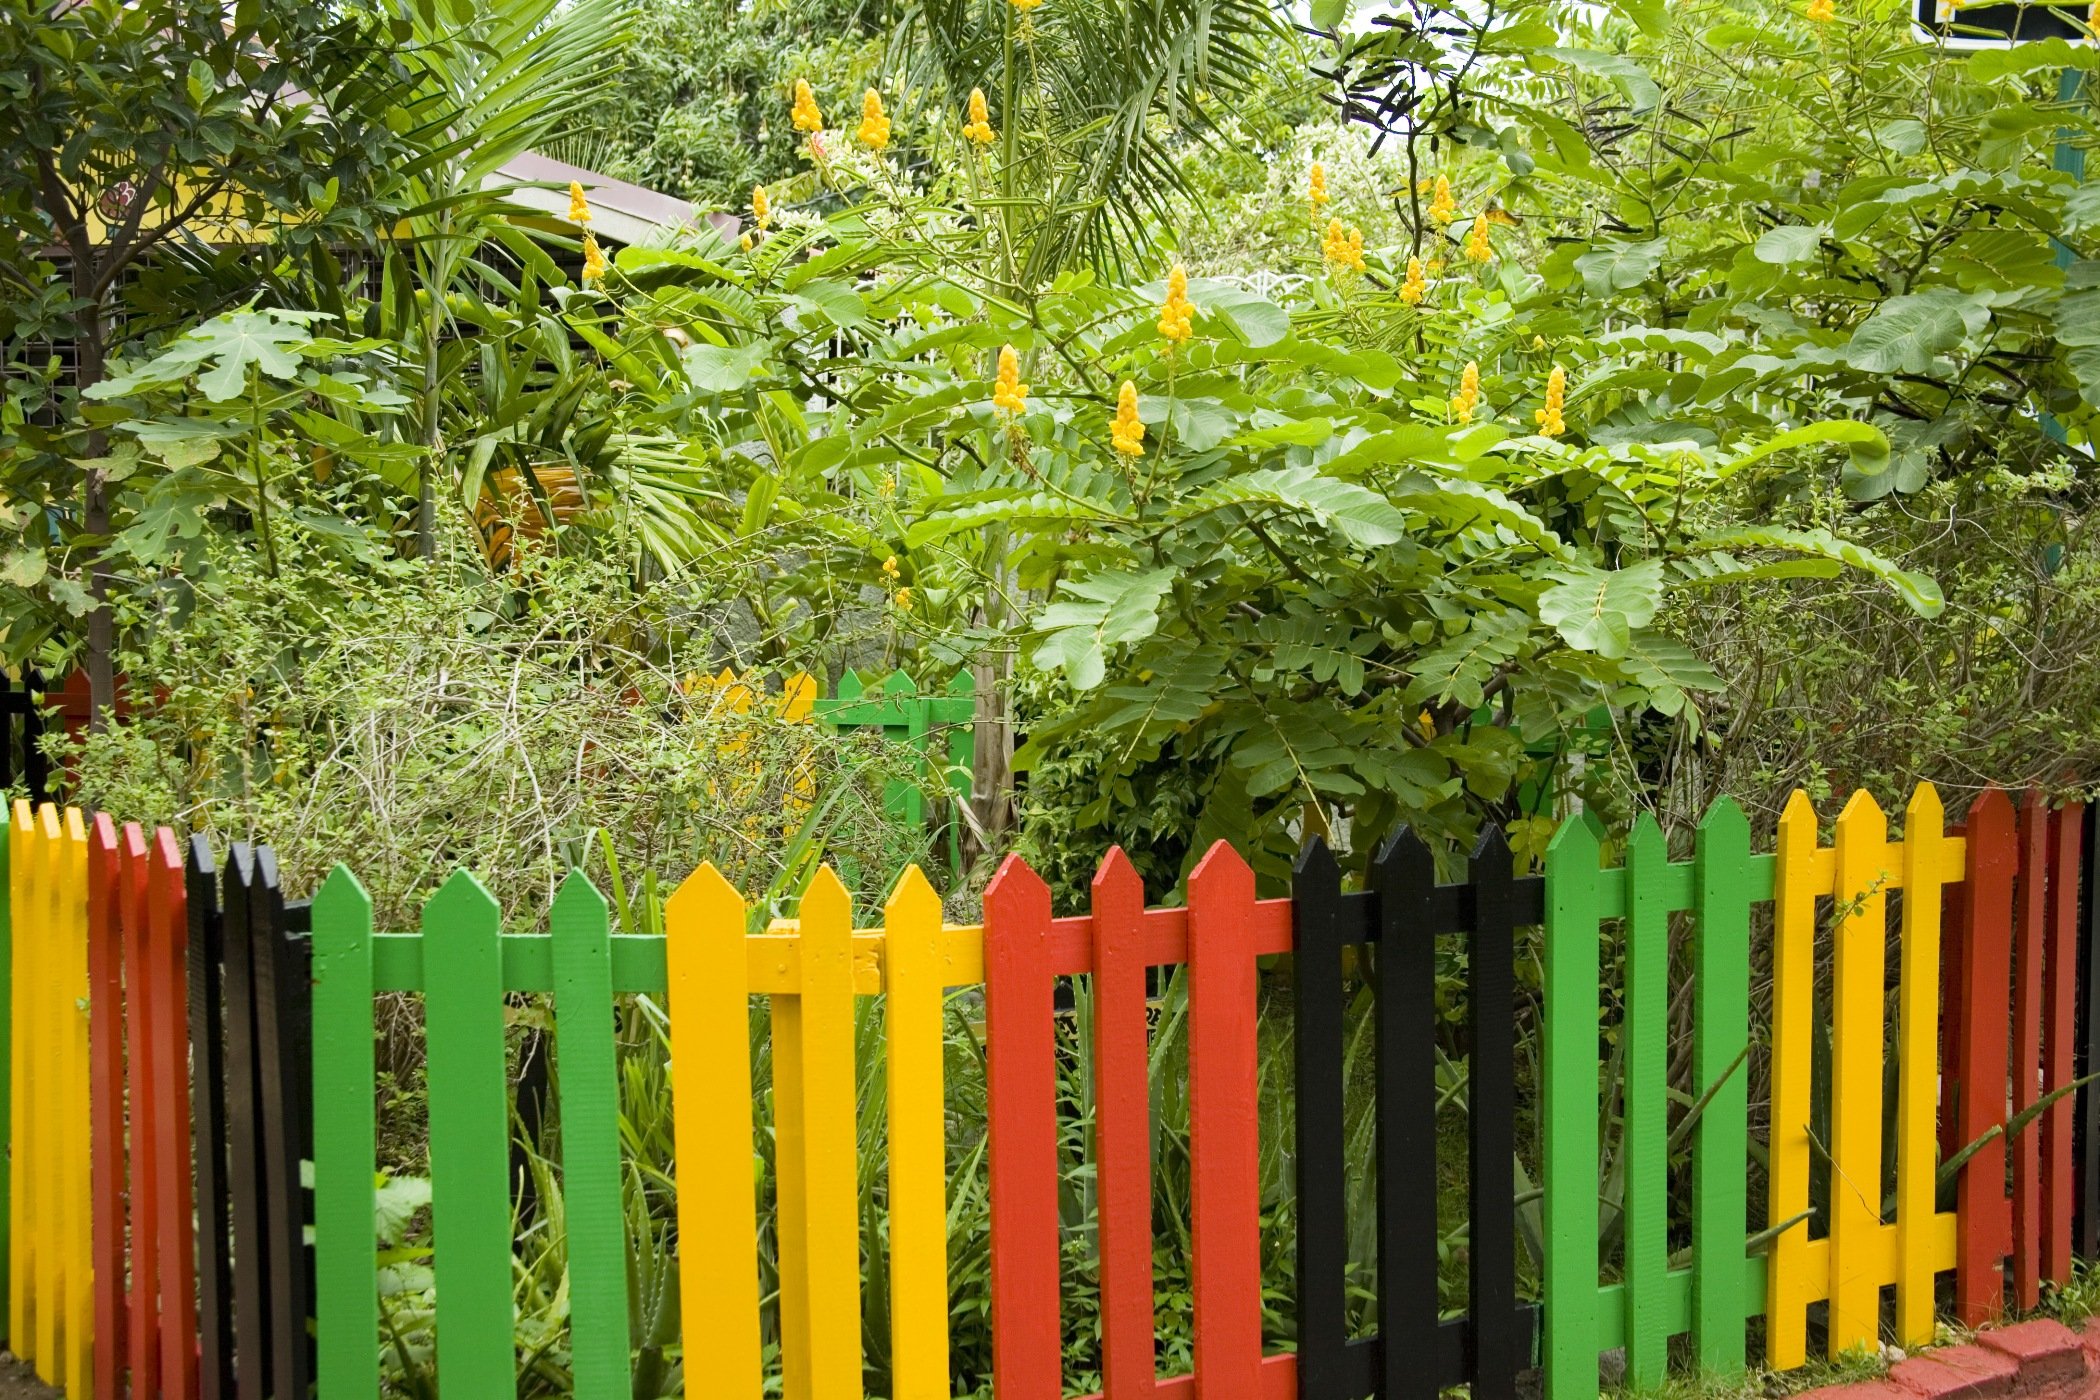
{"x": 1729, "y": 421}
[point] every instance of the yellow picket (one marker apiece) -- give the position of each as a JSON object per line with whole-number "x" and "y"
{"x": 23, "y": 893}
{"x": 1793, "y": 1007}
{"x": 1855, "y": 1068}
{"x": 1925, "y": 871}
{"x": 47, "y": 1124}
{"x": 918, "y": 1167}
{"x": 830, "y": 1218}
{"x": 711, "y": 1123}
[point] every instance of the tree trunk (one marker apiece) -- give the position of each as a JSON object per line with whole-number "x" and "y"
{"x": 91, "y": 345}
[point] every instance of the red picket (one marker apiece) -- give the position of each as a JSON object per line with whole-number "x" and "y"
{"x": 1020, "y": 1048}
{"x": 145, "y": 1047}
{"x": 106, "y": 1104}
{"x": 164, "y": 973}
{"x": 1986, "y": 956}
{"x": 1226, "y": 1182}
{"x": 1122, "y": 1127}
{"x": 2060, "y": 1033}
{"x": 2033, "y": 917}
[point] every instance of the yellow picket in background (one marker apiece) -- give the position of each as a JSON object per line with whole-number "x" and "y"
{"x": 1862, "y": 1252}
{"x": 812, "y": 970}
{"x": 51, "y": 1302}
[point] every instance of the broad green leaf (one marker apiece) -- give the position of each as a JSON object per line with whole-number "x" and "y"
{"x": 1619, "y": 266}
{"x": 1919, "y": 591}
{"x": 1907, "y": 333}
{"x": 1869, "y": 445}
{"x": 1597, "y": 610}
{"x": 721, "y": 369}
{"x": 1790, "y": 243}
{"x": 1113, "y": 608}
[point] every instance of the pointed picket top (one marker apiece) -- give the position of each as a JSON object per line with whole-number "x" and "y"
{"x": 1116, "y": 878}
{"x": 961, "y": 683}
{"x": 1797, "y": 825}
{"x": 1577, "y": 840}
{"x": 898, "y": 682}
{"x": 341, "y": 896}
{"x": 1405, "y": 862}
{"x": 1016, "y": 882}
{"x": 826, "y": 898}
{"x": 102, "y": 830}
{"x": 266, "y": 867}
{"x": 1925, "y": 811}
{"x": 1315, "y": 865}
{"x": 849, "y": 687}
{"x": 798, "y": 697}
{"x": 240, "y": 864}
{"x": 134, "y": 843}
{"x": 166, "y": 848}
{"x": 576, "y": 905}
{"x": 1724, "y": 818}
{"x": 1222, "y": 873}
{"x": 911, "y": 897}
{"x": 1991, "y": 807}
{"x": 48, "y": 821}
{"x": 706, "y": 905}
{"x": 1859, "y": 805}
{"x": 461, "y": 900}
{"x": 1493, "y": 846}
{"x": 200, "y": 863}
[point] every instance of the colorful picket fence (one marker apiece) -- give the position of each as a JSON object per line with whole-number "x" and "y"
{"x": 1957, "y": 963}
{"x": 811, "y": 971}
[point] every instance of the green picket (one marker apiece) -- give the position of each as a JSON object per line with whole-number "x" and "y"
{"x": 1646, "y": 1147}
{"x": 469, "y": 1139}
{"x": 1569, "y": 1117}
{"x": 346, "y": 1302}
{"x": 588, "y": 1074}
{"x": 1720, "y": 1033}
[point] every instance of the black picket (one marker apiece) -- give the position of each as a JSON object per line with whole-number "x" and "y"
{"x": 1415, "y": 1353}
{"x": 208, "y": 1123}
{"x": 283, "y": 1062}
{"x": 21, "y": 732}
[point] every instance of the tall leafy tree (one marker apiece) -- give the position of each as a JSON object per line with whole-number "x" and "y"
{"x": 141, "y": 132}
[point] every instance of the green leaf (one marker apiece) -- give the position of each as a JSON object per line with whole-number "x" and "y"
{"x": 1619, "y": 266}
{"x": 1597, "y": 610}
{"x": 1255, "y": 320}
{"x": 1919, "y": 591}
{"x": 24, "y": 568}
{"x": 1906, "y": 334}
{"x": 721, "y": 369}
{"x": 1633, "y": 80}
{"x": 1790, "y": 243}
{"x": 1113, "y": 608}
{"x": 1869, "y": 446}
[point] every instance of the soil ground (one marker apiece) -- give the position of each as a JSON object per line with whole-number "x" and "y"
{"x": 18, "y": 1382}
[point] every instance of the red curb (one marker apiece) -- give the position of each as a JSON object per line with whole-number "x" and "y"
{"x": 2045, "y": 1351}
{"x": 1956, "y": 1373}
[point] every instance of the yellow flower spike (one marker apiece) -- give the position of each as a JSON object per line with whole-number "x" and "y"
{"x": 874, "y": 130}
{"x": 1549, "y": 419}
{"x": 579, "y": 207}
{"x": 1008, "y": 392}
{"x": 1416, "y": 286}
{"x": 805, "y": 114}
{"x": 744, "y": 243}
{"x": 1479, "y": 248}
{"x": 594, "y": 263}
{"x": 979, "y": 127}
{"x": 1538, "y": 342}
{"x": 761, "y": 208}
{"x": 1822, "y": 11}
{"x": 889, "y": 566}
{"x": 1024, "y": 6}
{"x": 1128, "y": 431}
{"x": 1442, "y": 207}
{"x": 1176, "y": 314}
{"x": 903, "y": 600}
{"x": 1343, "y": 247}
{"x": 1468, "y": 397}
{"x": 1316, "y": 187}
